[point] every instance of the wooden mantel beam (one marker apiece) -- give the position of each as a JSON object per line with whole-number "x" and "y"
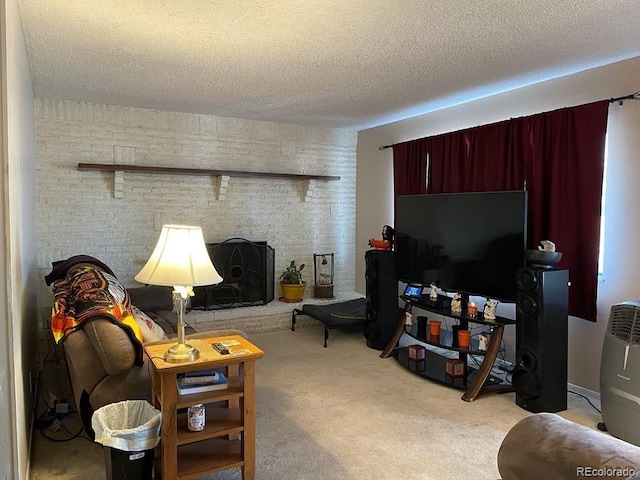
{"x": 200, "y": 171}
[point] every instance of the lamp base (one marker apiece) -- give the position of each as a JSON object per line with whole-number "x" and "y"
{"x": 180, "y": 353}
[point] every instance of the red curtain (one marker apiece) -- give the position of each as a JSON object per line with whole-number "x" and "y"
{"x": 410, "y": 166}
{"x": 447, "y": 163}
{"x": 479, "y": 159}
{"x": 557, "y": 156}
{"x": 564, "y": 182}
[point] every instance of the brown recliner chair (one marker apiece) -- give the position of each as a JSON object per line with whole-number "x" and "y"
{"x": 546, "y": 445}
{"x": 101, "y": 355}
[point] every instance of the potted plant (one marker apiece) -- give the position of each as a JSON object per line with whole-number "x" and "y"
{"x": 291, "y": 282}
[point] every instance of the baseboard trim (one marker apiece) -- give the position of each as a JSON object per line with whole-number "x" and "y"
{"x": 590, "y": 394}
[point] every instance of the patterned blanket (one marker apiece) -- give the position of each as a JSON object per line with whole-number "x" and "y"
{"x": 85, "y": 292}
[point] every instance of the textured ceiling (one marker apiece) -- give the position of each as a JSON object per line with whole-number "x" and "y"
{"x": 342, "y": 64}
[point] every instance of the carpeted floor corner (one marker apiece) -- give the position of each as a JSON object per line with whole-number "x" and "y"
{"x": 341, "y": 413}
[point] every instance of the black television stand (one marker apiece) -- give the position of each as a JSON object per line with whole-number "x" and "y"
{"x": 474, "y": 381}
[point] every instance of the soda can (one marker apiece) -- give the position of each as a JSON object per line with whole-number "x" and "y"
{"x": 196, "y": 417}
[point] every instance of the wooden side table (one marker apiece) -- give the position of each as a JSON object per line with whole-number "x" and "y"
{"x": 228, "y": 439}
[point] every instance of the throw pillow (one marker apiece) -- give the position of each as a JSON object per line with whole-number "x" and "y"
{"x": 152, "y": 298}
{"x": 150, "y": 330}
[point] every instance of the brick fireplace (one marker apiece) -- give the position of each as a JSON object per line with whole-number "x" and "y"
{"x": 297, "y": 217}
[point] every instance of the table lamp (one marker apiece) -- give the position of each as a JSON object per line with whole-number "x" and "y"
{"x": 180, "y": 260}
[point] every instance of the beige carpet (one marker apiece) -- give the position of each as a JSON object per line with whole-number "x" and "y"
{"x": 344, "y": 413}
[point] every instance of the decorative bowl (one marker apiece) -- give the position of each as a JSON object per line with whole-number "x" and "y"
{"x": 541, "y": 258}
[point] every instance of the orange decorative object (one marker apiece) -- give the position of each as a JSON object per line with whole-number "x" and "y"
{"x": 464, "y": 337}
{"x": 434, "y": 327}
{"x": 380, "y": 244}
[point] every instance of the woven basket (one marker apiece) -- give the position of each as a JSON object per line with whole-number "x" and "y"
{"x": 323, "y": 291}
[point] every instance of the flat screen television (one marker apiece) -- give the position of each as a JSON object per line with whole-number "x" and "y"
{"x": 471, "y": 243}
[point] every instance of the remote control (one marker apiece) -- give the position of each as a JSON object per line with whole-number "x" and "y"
{"x": 222, "y": 350}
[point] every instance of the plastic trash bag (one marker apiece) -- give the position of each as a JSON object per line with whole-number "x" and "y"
{"x": 131, "y": 425}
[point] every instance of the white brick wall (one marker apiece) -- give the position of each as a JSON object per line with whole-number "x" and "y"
{"x": 80, "y": 212}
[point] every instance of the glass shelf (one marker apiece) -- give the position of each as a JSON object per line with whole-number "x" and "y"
{"x": 425, "y": 304}
{"x": 445, "y": 340}
{"x": 433, "y": 368}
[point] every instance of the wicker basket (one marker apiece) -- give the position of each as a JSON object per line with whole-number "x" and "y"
{"x": 323, "y": 291}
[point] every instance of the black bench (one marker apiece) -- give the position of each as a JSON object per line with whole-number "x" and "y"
{"x": 333, "y": 315}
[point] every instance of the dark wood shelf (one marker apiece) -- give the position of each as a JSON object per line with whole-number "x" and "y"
{"x": 104, "y": 167}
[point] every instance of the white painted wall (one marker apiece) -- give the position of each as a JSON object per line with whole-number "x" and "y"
{"x": 18, "y": 274}
{"x": 78, "y": 214}
{"x": 622, "y": 262}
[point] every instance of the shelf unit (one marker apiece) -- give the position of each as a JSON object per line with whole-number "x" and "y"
{"x": 228, "y": 438}
{"x": 224, "y": 175}
{"x": 475, "y": 380}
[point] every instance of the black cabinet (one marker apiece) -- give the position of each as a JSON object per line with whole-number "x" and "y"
{"x": 382, "y": 312}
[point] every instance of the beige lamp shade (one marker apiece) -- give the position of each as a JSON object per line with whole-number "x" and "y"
{"x": 179, "y": 259}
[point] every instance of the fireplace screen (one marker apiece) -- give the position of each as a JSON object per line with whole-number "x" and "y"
{"x": 247, "y": 276}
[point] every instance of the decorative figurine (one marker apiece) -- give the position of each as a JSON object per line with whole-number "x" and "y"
{"x": 456, "y": 303}
{"x": 408, "y": 318}
{"x": 489, "y": 310}
{"x": 433, "y": 295}
{"x": 387, "y": 239}
{"x": 547, "y": 246}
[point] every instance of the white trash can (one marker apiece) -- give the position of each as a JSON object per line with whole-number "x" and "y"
{"x": 129, "y": 431}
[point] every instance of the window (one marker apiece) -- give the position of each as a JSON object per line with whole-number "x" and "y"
{"x": 603, "y": 210}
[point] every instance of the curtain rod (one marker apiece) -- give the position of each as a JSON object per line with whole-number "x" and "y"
{"x": 633, "y": 96}
{"x": 620, "y": 100}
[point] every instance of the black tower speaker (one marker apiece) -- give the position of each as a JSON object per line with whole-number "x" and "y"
{"x": 540, "y": 375}
{"x": 382, "y": 298}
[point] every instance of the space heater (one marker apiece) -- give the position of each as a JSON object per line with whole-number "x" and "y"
{"x": 620, "y": 373}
